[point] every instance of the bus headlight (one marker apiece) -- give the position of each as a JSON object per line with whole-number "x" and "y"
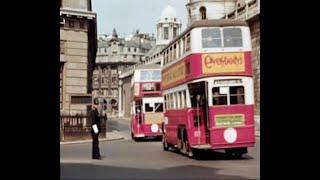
{"x": 154, "y": 128}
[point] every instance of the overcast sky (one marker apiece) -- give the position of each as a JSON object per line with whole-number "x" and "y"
{"x": 128, "y": 15}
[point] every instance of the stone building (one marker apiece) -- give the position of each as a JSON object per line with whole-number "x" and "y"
{"x": 78, "y": 45}
{"x": 208, "y": 9}
{"x": 116, "y": 55}
{"x": 168, "y": 27}
{"x": 249, "y": 11}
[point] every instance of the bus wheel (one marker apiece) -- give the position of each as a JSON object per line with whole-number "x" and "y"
{"x": 165, "y": 144}
{"x": 132, "y": 137}
{"x": 236, "y": 154}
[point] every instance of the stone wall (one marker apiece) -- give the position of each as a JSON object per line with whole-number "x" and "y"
{"x": 75, "y": 76}
{"x": 255, "y": 39}
{"x": 127, "y": 96}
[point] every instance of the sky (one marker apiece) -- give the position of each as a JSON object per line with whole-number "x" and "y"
{"x": 129, "y": 15}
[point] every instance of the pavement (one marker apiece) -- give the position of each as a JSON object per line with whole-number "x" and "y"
{"x": 118, "y": 130}
{"x": 110, "y": 136}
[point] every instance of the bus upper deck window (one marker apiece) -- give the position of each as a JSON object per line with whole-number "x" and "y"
{"x": 219, "y": 99}
{"x": 158, "y": 107}
{"x": 237, "y": 95}
{"x": 211, "y": 38}
{"x": 232, "y": 37}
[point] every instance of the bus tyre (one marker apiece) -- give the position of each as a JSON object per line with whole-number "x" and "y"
{"x": 132, "y": 137}
{"x": 236, "y": 154}
{"x": 165, "y": 144}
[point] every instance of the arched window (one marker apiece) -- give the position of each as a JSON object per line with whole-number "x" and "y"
{"x": 203, "y": 13}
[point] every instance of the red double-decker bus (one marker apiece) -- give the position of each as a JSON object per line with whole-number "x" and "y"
{"x": 207, "y": 84}
{"x": 148, "y": 102}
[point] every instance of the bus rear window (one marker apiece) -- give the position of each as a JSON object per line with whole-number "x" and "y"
{"x": 158, "y": 107}
{"x": 211, "y": 38}
{"x": 237, "y": 95}
{"x": 148, "y": 108}
{"x": 232, "y": 37}
{"x": 219, "y": 99}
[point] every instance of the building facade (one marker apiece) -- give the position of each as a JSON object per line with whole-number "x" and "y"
{"x": 114, "y": 56}
{"x": 78, "y": 45}
{"x": 249, "y": 11}
{"x": 168, "y": 27}
{"x": 208, "y": 9}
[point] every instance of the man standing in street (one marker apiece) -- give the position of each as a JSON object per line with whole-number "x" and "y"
{"x": 95, "y": 129}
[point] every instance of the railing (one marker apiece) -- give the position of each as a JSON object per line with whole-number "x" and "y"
{"x": 245, "y": 12}
{"x": 78, "y": 127}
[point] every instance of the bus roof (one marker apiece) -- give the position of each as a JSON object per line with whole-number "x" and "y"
{"x": 208, "y": 23}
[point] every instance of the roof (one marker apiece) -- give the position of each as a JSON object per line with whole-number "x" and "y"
{"x": 156, "y": 49}
{"x": 126, "y": 43}
{"x": 208, "y": 23}
{"x": 169, "y": 12}
{"x": 148, "y": 66}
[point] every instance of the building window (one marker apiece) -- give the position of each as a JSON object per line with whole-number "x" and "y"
{"x": 188, "y": 43}
{"x": 82, "y": 25}
{"x": 134, "y": 56}
{"x": 61, "y": 86}
{"x": 125, "y": 56}
{"x": 203, "y": 13}
{"x": 135, "y": 49}
{"x": 62, "y": 47}
{"x": 166, "y": 33}
{"x": 174, "y": 52}
{"x": 128, "y": 49}
{"x": 71, "y": 24}
{"x": 174, "y": 32}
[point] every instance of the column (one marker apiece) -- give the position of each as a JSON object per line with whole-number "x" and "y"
{"x": 120, "y": 99}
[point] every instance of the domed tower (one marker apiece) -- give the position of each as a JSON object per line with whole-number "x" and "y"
{"x": 208, "y": 9}
{"x": 168, "y": 27}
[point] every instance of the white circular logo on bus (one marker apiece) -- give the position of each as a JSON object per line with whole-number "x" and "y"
{"x": 154, "y": 128}
{"x": 230, "y": 135}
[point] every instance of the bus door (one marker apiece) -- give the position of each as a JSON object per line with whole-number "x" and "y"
{"x": 199, "y": 101}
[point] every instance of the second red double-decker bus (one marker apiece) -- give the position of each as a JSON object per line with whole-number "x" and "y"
{"x": 208, "y": 88}
{"x": 148, "y": 102}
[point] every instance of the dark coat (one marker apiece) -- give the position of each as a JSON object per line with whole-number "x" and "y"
{"x": 95, "y": 119}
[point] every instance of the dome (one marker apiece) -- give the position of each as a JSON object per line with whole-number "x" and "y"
{"x": 169, "y": 13}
